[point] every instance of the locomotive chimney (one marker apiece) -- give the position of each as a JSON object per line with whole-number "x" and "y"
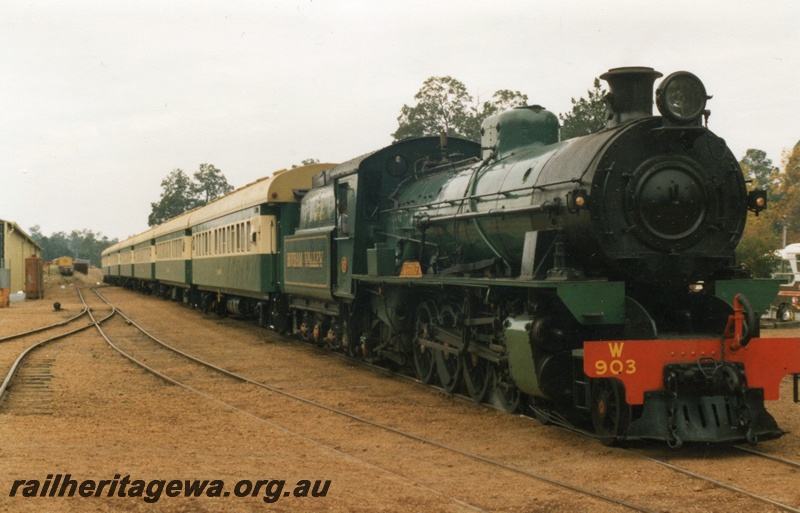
{"x": 630, "y": 94}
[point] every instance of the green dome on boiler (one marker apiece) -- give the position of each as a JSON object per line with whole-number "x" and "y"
{"x": 525, "y": 126}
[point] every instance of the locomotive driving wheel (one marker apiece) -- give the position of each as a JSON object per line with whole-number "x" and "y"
{"x": 479, "y": 373}
{"x": 449, "y": 364}
{"x": 358, "y": 322}
{"x": 505, "y": 395}
{"x": 424, "y": 329}
{"x": 611, "y": 415}
{"x": 279, "y": 317}
{"x": 479, "y": 377}
{"x": 351, "y": 338}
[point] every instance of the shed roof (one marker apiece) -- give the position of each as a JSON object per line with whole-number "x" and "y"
{"x": 16, "y": 228}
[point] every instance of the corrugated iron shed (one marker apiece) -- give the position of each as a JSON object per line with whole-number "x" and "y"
{"x": 15, "y": 246}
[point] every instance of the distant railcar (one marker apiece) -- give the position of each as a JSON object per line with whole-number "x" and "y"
{"x": 81, "y": 266}
{"x": 65, "y": 265}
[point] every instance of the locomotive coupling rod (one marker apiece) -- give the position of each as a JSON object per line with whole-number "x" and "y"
{"x": 445, "y": 348}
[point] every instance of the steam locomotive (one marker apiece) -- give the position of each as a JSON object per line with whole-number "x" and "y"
{"x": 590, "y": 281}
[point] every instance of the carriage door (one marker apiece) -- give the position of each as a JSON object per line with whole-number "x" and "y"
{"x": 343, "y": 237}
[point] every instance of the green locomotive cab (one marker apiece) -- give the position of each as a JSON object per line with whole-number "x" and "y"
{"x": 342, "y": 219}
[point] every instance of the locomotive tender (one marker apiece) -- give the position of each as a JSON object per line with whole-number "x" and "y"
{"x": 590, "y": 281}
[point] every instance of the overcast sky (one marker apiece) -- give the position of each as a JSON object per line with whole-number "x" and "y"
{"x": 100, "y": 100}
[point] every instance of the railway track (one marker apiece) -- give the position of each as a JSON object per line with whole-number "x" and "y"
{"x": 19, "y": 358}
{"x": 274, "y": 391}
{"x": 730, "y": 480}
{"x": 738, "y": 471}
{"x": 789, "y": 501}
{"x": 267, "y": 404}
{"x": 732, "y": 475}
{"x": 225, "y": 387}
{"x": 785, "y": 461}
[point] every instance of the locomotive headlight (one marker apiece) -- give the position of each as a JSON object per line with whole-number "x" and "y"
{"x": 757, "y": 201}
{"x": 577, "y": 199}
{"x": 681, "y": 98}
